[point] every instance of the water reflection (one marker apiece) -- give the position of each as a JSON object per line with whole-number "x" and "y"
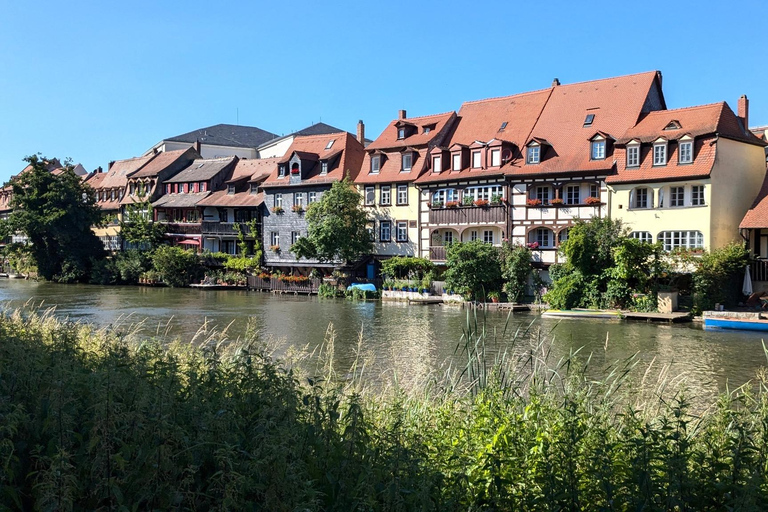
{"x": 409, "y": 342}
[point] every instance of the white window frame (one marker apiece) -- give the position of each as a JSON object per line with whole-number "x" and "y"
{"x": 295, "y": 235}
{"x": 697, "y": 195}
{"x": 402, "y": 231}
{"x": 638, "y": 193}
{"x": 633, "y": 155}
{"x": 594, "y": 190}
{"x": 676, "y": 197}
{"x": 278, "y": 201}
{"x": 375, "y": 164}
{"x": 370, "y": 196}
{"x": 533, "y": 155}
{"x": 671, "y": 240}
{"x": 445, "y": 195}
{"x": 400, "y": 133}
{"x": 385, "y": 227}
{"x": 660, "y": 153}
{"x": 495, "y": 158}
{"x": 597, "y": 151}
{"x": 685, "y": 152}
{"x": 544, "y": 237}
{"x": 324, "y": 167}
{"x": 447, "y": 237}
{"x": 572, "y": 194}
{"x": 473, "y": 235}
{"x": 385, "y": 193}
{"x": 456, "y": 161}
{"x": 477, "y": 159}
{"x": 543, "y": 193}
{"x": 437, "y": 162}
{"x": 402, "y": 195}
{"x": 274, "y": 238}
{"x": 312, "y": 197}
{"x": 407, "y": 162}
{"x": 485, "y": 192}
{"x": 643, "y": 236}
{"x": 562, "y": 236}
{"x": 488, "y": 237}
{"x": 298, "y": 199}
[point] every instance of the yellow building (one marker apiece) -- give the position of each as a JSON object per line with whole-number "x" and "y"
{"x": 687, "y": 177}
{"x": 391, "y": 165}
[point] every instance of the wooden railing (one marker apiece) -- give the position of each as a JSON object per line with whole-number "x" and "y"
{"x": 219, "y": 228}
{"x": 759, "y": 270}
{"x": 491, "y": 214}
{"x": 437, "y": 253}
{"x": 186, "y": 228}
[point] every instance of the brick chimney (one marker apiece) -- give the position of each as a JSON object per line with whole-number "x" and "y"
{"x": 198, "y": 147}
{"x": 401, "y": 114}
{"x": 361, "y": 132}
{"x": 744, "y": 111}
{"x": 111, "y": 163}
{"x": 555, "y": 82}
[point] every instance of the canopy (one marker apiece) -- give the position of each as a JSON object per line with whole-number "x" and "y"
{"x": 189, "y": 242}
{"x": 367, "y": 287}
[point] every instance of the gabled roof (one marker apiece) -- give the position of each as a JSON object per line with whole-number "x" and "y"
{"x": 227, "y": 135}
{"x": 388, "y": 138}
{"x": 313, "y": 129}
{"x": 117, "y": 174}
{"x": 314, "y": 148}
{"x": 757, "y": 215}
{"x": 163, "y": 160}
{"x": 254, "y": 170}
{"x": 181, "y": 200}
{"x": 203, "y": 169}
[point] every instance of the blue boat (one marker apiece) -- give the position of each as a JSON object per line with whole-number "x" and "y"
{"x": 751, "y": 323}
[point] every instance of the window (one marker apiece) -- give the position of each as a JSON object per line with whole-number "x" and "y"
{"x": 370, "y": 195}
{"x": 324, "y": 168}
{"x": 385, "y": 231}
{"x": 402, "y": 194}
{"x": 371, "y": 229}
{"x": 295, "y": 235}
{"x": 543, "y": 237}
{"x": 427, "y": 129}
{"x": 201, "y": 186}
{"x": 589, "y": 120}
{"x": 598, "y": 150}
{"x": 407, "y": 159}
{"x": 447, "y": 237}
{"x": 279, "y": 200}
{"x": 230, "y": 189}
{"x": 445, "y": 195}
{"x": 437, "y": 164}
{"x": 534, "y": 154}
{"x": 681, "y": 240}
{"x": 503, "y": 125}
{"x": 457, "y": 162}
{"x": 223, "y": 216}
{"x": 386, "y": 195}
{"x": 298, "y": 199}
{"x": 274, "y": 239}
{"x": 542, "y": 194}
{"x": 281, "y": 171}
{"x": 312, "y": 197}
{"x": 676, "y": 196}
{"x": 686, "y": 152}
{"x": 562, "y": 236}
{"x": 402, "y": 231}
{"x": 633, "y": 156}
{"x": 488, "y": 236}
{"x": 476, "y": 161}
{"x": 572, "y": 194}
{"x": 473, "y": 235}
{"x": 660, "y": 154}
{"x": 484, "y": 193}
{"x": 495, "y": 157}
{"x": 697, "y": 195}
{"x": 254, "y": 188}
{"x": 375, "y": 164}
{"x": 643, "y": 236}
{"x": 594, "y": 190}
{"x": 401, "y": 133}
{"x": 167, "y": 188}
{"x": 330, "y": 144}
{"x": 640, "y": 199}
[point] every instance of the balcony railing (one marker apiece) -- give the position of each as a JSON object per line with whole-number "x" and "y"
{"x": 491, "y": 214}
{"x": 219, "y": 228}
{"x": 437, "y": 253}
{"x": 183, "y": 228}
{"x": 759, "y": 270}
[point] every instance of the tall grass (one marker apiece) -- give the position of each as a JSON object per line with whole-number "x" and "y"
{"x": 96, "y": 419}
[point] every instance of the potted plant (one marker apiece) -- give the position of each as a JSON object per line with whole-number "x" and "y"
{"x": 558, "y": 201}
{"x": 494, "y": 296}
{"x": 274, "y": 248}
{"x": 277, "y": 209}
{"x": 497, "y": 199}
{"x": 452, "y": 204}
{"x": 436, "y": 204}
{"x": 533, "y": 202}
{"x": 467, "y": 201}
{"x": 592, "y": 201}
{"x": 481, "y": 203}
{"x": 297, "y": 208}
{"x": 295, "y": 171}
{"x": 533, "y": 245}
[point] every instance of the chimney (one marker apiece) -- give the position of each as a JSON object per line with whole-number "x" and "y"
{"x": 361, "y": 132}
{"x": 401, "y": 114}
{"x": 555, "y": 82}
{"x": 111, "y": 163}
{"x": 744, "y": 110}
{"x": 99, "y": 170}
{"x": 198, "y": 148}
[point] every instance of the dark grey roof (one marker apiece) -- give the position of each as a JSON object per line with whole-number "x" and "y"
{"x": 318, "y": 129}
{"x": 227, "y": 135}
{"x": 200, "y": 170}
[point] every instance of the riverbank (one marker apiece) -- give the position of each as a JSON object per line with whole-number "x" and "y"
{"x": 94, "y": 419}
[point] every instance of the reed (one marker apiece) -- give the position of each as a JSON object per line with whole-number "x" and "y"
{"x": 104, "y": 419}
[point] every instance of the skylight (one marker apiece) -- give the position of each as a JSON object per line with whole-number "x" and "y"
{"x": 589, "y": 119}
{"x": 330, "y": 144}
{"x": 503, "y": 125}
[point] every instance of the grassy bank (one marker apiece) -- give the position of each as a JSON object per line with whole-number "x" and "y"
{"x": 94, "y": 419}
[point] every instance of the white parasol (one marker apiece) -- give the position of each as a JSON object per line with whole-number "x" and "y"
{"x": 746, "y": 288}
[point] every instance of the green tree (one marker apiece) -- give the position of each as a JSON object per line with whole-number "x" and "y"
{"x": 516, "y": 268}
{"x": 401, "y": 267}
{"x": 177, "y": 266}
{"x": 138, "y": 229}
{"x": 337, "y": 226}
{"x": 473, "y": 268}
{"x": 56, "y": 213}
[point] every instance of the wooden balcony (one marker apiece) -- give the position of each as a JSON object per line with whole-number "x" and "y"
{"x": 491, "y": 214}
{"x": 437, "y": 253}
{"x": 219, "y": 228}
{"x": 183, "y": 228}
{"x": 759, "y": 270}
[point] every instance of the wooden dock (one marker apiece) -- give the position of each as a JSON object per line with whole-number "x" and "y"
{"x": 671, "y": 318}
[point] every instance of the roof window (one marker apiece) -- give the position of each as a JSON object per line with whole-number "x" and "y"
{"x": 673, "y": 125}
{"x": 330, "y": 144}
{"x": 589, "y": 120}
{"x": 503, "y": 125}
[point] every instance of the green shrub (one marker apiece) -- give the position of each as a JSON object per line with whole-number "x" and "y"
{"x": 358, "y": 294}
{"x": 241, "y": 263}
{"x": 329, "y": 291}
{"x": 104, "y": 272}
{"x": 404, "y": 267}
{"x": 177, "y": 266}
{"x": 516, "y": 269}
{"x": 567, "y": 293}
{"x": 131, "y": 264}
{"x": 473, "y": 268}
{"x": 718, "y": 277}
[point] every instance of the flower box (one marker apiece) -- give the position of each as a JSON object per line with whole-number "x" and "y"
{"x": 297, "y": 208}
{"x": 533, "y": 202}
{"x": 274, "y": 248}
{"x": 467, "y": 201}
{"x": 295, "y": 171}
{"x": 481, "y": 202}
{"x": 533, "y": 245}
{"x": 452, "y": 204}
{"x": 592, "y": 201}
{"x": 436, "y": 204}
{"x": 557, "y": 202}
{"x": 277, "y": 209}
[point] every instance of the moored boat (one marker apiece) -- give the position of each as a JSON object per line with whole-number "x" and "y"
{"x": 582, "y": 313}
{"x": 742, "y": 321}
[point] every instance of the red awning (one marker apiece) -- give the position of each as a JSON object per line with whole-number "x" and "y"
{"x": 189, "y": 242}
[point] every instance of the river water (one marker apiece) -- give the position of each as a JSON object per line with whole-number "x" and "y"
{"x": 409, "y": 342}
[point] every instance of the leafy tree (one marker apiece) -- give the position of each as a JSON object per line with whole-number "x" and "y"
{"x": 138, "y": 229}
{"x": 516, "y": 268}
{"x": 719, "y": 276}
{"x": 401, "y": 267}
{"x": 473, "y": 268}
{"x": 177, "y": 266}
{"x": 56, "y": 213}
{"x": 337, "y": 226}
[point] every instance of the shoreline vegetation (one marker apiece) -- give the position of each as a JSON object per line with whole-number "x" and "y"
{"x": 105, "y": 419}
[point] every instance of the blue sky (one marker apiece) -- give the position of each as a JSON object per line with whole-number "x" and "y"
{"x": 99, "y": 81}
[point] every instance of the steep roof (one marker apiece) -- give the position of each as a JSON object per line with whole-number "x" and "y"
{"x": 388, "y": 138}
{"x": 757, "y": 215}
{"x": 162, "y": 160}
{"x": 203, "y": 169}
{"x": 227, "y": 135}
{"x": 314, "y": 147}
{"x": 117, "y": 174}
{"x": 180, "y": 200}
{"x": 255, "y": 169}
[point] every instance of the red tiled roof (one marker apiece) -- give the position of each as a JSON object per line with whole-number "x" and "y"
{"x": 351, "y": 157}
{"x": 222, "y": 199}
{"x": 704, "y": 153}
{"x": 256, "y": 169}
{"x": 117, "y": 175}
{"x": 757, "y": 216}
{"x": 160, "y": 162}
{"x": 388, "y": 138}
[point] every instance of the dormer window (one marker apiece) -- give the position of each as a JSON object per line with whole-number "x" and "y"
{"x": 375, "y": 164}
{"x": 673, "y": 125}
{"x": 330, "y": 144}
{"x": 633, "y": 155}
{"x": 324, "y": 168}
{"x": 660, "y": 153}
{"x": 598, "y": 149}
{"x": 230, "y": 189}
{"x": 533, "y": 155}
{"x": 281, "y": 171}
{"x": 437, "y": 163}
{"x": 407, "y": 162}
{"x": 254, "y": 188}
{"x": 401, "y": 133}
{"x": 589, "y": 120}
{"x": 456, "y": 162}
{"x": 429, "y": 128}
{"x": 476, "y": 160}
{"x": 496, "y": 157}
{"x": 685, "y": 152}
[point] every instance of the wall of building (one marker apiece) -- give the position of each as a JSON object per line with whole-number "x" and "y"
{"x": 275, "y": 149}
{"x": 404, "y": 213}
{"x": 736, "y": 179}
{"x": 209, "y": 151}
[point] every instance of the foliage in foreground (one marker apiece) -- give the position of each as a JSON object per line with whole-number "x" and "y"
{"x": 473, "y": 268}
{"x": 99, "y": 419}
